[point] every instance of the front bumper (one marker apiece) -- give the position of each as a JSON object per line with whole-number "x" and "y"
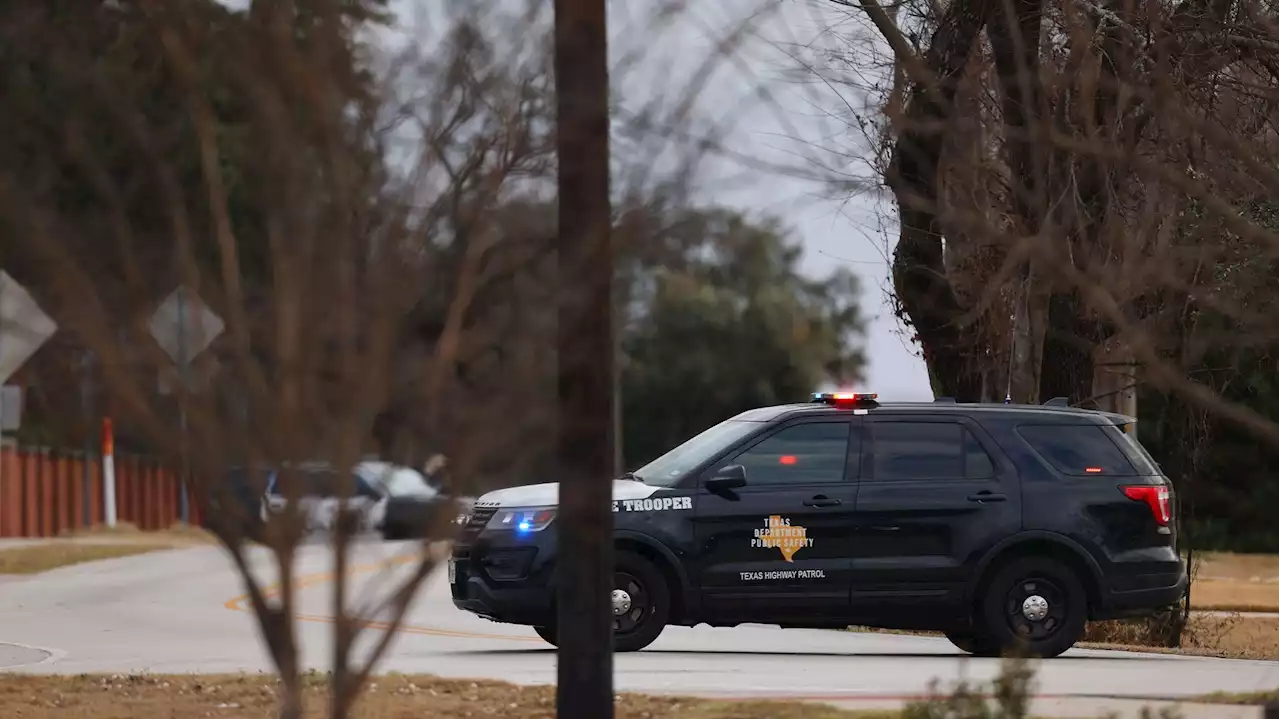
{"x": 505, "y": 578}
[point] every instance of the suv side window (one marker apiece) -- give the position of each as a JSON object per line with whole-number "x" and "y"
{"x": 808, "y": 453}
{"x": 1077, "y": 449}
{"x": 906, "y": 451}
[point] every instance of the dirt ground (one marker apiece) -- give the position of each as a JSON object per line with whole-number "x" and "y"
{"x": 1237, "y": 582}
{"x": 387, "y": 697}
{"x": 1218, "y": 635}
{"x": 1239, "y": 637}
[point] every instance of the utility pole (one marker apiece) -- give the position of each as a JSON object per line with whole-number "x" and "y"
{"x": 585, "y": 375}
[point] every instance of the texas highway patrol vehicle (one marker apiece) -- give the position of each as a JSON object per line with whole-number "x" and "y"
{"x": 1004, "y": 526}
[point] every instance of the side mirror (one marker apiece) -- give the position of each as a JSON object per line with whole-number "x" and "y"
{"x": 730, "y": 477}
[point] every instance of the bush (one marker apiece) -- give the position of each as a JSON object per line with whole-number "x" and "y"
{"x": 1008, "y": 697}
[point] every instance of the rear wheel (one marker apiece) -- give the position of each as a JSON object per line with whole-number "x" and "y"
{"x": 640, "y": 601}
{"x": 1035, "y": 606}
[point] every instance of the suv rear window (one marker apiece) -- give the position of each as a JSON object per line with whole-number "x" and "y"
{"x": 1133, "y": 449}
{"x": 1078, "y": 449}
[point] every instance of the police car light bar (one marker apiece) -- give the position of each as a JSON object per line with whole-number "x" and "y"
{"x": 846, "y": 399}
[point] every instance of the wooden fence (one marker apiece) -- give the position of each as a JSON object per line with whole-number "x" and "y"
{"x": 42, "y": 493}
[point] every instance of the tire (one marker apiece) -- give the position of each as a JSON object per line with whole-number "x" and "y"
{"x": 1009, "y": 615}
{"x": 974, "y": 642}
{"x": 548, "y": 635}
{"x": 650, "y": 605}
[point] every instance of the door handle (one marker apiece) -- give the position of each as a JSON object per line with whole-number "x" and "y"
{"x": 821, "y": 501}
{"x": 987, "y": 497}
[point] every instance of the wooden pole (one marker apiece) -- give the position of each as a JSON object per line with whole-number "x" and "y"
{"x": 585, "y": 363}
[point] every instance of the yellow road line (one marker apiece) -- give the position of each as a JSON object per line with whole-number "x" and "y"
{"x": 306, "y": 581}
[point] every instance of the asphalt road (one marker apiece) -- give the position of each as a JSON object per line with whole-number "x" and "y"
{"x": 183, "y": 611}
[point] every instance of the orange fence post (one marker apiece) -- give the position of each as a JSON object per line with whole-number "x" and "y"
{"x": 47, "y": 498}
{"x": 30, "y": 494}
{"x": 152, "y": 497}
{"x": 95, "y": 492}
{"x": 128, "y": 489}
{"x": 157, "y": 476}
{"x": 76, "y": 472}
{"x": 124, "y": 488}
{"x": 168, "y": 499}
{"x": 62, "y": 490}
{"x": 10, "y": 494}
{"x": 139, "y": 488}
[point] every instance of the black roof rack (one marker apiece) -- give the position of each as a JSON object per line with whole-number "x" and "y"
{"x": 950, "y": 400}
{"x": 1058, "y": 402}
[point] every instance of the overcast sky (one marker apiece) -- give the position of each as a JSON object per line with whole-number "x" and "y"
{"x": 762, "y": 107}
{"x": 756, "y": 104}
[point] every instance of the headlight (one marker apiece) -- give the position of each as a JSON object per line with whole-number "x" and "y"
{"x": 533, "y": 519}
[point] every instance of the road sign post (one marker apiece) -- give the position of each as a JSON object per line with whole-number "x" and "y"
{"x": 184, "y": 327}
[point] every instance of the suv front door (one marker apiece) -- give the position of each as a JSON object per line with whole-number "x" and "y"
{"x": 782, "y": 541}
{"x": 936, "y": 493}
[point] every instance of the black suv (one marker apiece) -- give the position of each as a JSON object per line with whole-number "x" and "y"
{"x": 1004, "y": 526}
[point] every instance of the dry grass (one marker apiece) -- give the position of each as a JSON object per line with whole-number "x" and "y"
{"x": 387, "y": 697}
{"x": 1245, "y": 567}
{"x": 1212, "y": 635}
{"x": 89, "y": 545}
{"x": 1207, "y": 635}
{"x": 1237, "y": 582}
{"x": 1239, "y": 698}
{"x": 51, "y": 555}
{"x": 124, "y": 531}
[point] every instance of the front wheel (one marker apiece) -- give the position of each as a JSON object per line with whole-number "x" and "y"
{"x": 640, "y": 602}
{"x": 548, "y": 635}
{"x": 1035, "y": 606}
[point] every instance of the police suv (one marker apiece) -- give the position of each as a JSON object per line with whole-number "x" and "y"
{"x": 1004, "y": 526}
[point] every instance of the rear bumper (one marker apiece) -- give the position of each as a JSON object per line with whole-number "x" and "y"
{"x": 1142, "y": 594}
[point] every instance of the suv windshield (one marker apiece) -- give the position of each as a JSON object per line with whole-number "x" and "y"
{"x": 667, "y": 469}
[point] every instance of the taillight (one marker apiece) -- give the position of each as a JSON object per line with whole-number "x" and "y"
{"x": 1156, "y": 497}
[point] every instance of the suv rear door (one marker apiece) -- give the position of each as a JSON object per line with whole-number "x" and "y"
{"x": 1108, "y": 480}
{"x": 936, "y": 494}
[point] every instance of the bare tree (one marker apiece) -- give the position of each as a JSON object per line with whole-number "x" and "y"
{"x": 353, "y": 294}
{"x": 1085, "y": 196}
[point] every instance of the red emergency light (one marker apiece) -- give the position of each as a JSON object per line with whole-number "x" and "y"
{"x": 846, "y": 399}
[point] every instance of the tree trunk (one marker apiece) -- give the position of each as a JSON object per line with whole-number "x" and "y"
{"x": 584, "y": 576}
{"x": 929, "y": 301}
{"x": 1014, "y": 33}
